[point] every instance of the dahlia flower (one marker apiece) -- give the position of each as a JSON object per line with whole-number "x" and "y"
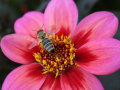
{"x": 81, "y": 50}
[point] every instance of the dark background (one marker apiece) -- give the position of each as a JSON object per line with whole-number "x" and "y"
{"x": 10, "y": 10}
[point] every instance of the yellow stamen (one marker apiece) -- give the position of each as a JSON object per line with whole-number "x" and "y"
{"x": 61, "y": 59}
{"x": 57, "y": 38}
{"x": 42, "y": 51}
{"x": 62, "y": 37}
{"x": 57, "y": 59}
{"x": 67, "y": 46}
{"x": 53, "y": 36}
{"x": 61, "y": 67}
{"x": 68, "y": 37}
{"x": 44, "y": 62}
{"x": 55, "y": 64}
{"x": 37, "y": 56}
{"x": 57, "y": 73}
{"x": 65, "y": 62}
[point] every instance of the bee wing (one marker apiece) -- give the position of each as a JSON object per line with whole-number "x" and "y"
{"x": 53, "y": 29}
{"x": 52, "y": 32}
{"x": 35, "y": 43}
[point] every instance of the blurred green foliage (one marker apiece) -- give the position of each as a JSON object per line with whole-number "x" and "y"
{"x": 10, "y": 10}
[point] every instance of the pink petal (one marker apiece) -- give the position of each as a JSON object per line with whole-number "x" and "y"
{"x": 60, "y": 15}
{"x": 101, "y": 56}
{"x": 78, "y": 79}
{"x": 51, "y": 83}
{"x": 29, "y": 24}
{"x": 25, "y": 77}
{"x": 15, "y": 47}
{"x": 97, "y": 25}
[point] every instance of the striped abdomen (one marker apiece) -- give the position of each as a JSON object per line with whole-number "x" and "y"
{"x": 47, "y": 44}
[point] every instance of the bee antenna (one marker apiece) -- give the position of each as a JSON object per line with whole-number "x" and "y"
{"x": 42, "y": 26}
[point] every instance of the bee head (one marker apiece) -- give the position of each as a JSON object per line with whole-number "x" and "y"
{"x": 41, "y": 34}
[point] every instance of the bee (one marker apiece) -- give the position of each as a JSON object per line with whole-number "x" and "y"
{"x": 44, "y": 40}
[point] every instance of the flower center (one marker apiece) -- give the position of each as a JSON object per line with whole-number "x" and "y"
{"x": 61, "y": 59}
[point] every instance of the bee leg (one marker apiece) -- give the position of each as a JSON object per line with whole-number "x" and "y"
{"x": 40, "y": 41}
{"x": 40, "y": 46}
{"x": 48, "y": 35}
